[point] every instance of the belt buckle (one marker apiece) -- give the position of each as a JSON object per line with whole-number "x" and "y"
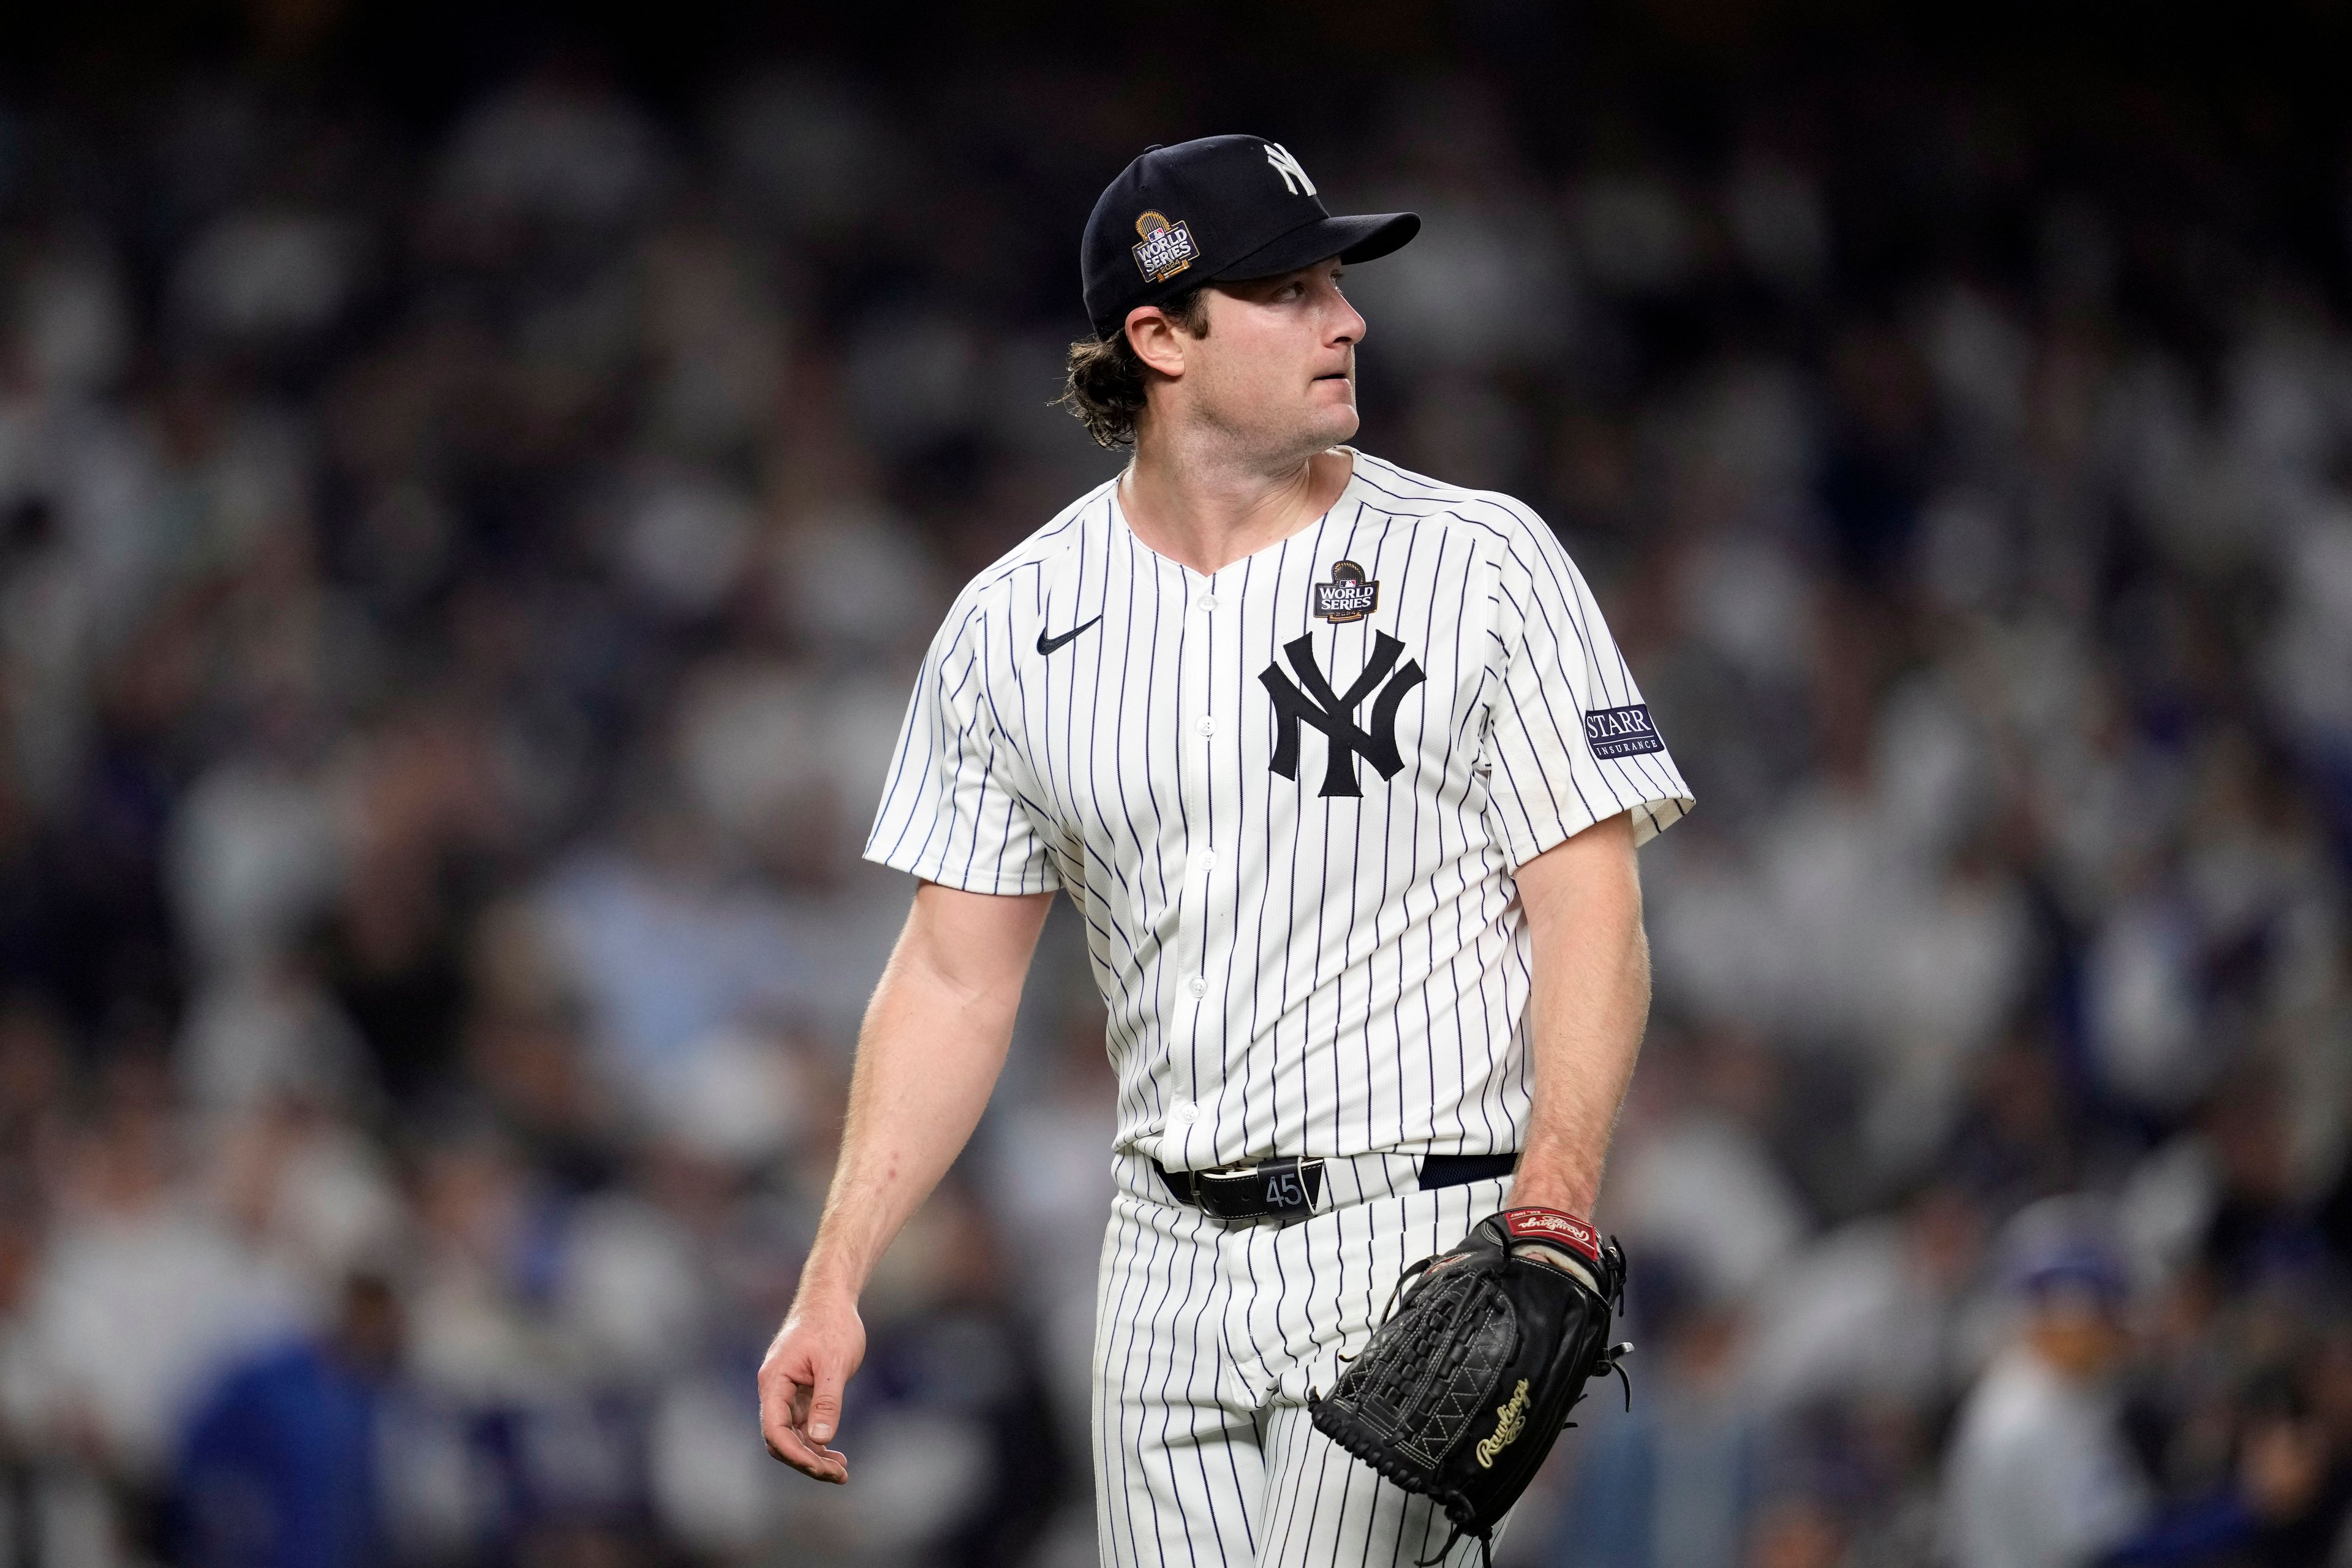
{"x": 1287, "y": 1189}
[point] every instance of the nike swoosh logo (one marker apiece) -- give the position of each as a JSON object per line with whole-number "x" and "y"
{"x": 1047, "y": 645}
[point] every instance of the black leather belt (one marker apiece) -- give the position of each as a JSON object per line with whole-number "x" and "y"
{"x": 1289, "y": 1188}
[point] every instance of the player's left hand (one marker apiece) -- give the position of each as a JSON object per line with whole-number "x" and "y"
{"x": 800, "y": 1379}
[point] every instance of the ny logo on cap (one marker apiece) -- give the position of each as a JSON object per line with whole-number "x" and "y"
{"x": 1334, "y": 713}
{"x": 1293, "y": 176}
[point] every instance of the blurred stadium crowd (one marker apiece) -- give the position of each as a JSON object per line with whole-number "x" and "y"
{"x": 457, "y": 589}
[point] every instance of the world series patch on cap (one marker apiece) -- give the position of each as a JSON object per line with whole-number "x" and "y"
{"x": 1219, "y": 209}
{"x": 1165, "y": 249}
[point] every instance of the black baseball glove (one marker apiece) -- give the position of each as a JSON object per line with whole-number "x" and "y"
{"x": 1464, "y": 1387}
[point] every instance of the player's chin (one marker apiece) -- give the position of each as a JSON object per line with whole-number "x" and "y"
{"x": 1332, "y": 415}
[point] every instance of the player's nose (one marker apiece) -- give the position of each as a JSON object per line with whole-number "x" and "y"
{"x": 1348, "y": 326}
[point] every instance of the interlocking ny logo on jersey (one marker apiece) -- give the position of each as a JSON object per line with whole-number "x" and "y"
{"x": 1293, "y": 176}
{"x": 1335, "y": 714}
{"x": 1166, "y": 249}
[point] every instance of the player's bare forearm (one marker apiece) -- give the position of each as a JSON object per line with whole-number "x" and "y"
{"x": 934, "y": 1041}
{"x": 1589, "y": 1004}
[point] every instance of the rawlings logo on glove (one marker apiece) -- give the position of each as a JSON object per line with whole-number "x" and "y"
{"x": 1552, "y": 1225}
{"x": 1509, "y": 1419}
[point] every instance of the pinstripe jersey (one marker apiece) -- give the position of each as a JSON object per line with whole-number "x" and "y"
{"x": 1289, "y": 798}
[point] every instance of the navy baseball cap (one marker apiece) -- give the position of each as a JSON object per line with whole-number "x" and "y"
{"x": 1220, "y": 208}
{"x": 2067, "y": 1246}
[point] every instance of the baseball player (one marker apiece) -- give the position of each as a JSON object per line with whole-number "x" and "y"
{"x": 1346, "y": 776}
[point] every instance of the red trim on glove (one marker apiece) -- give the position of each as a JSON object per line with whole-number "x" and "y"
{"x": 1556, "y": 1227}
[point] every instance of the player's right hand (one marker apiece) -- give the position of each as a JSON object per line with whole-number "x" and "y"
{"x": 812, "y": 1355}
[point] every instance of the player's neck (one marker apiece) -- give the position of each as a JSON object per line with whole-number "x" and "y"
{"x": 1208, "y": 513}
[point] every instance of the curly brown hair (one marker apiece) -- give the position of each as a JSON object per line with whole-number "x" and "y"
{"x": 1105, "y": 384}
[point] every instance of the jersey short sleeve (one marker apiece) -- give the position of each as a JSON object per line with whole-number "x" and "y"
{"x": 951, "y": 809}
{"x": 1569, "y": 741}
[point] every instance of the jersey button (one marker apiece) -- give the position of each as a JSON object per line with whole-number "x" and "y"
{"x": 1208, "y": 603}
{"x": 1199, "y": 986}
{"x": 1208, "y": 859}
{"x": 1207, "y": 726}
{"x": 1185, "y": 1113}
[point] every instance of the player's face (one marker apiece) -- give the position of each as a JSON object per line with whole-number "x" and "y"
{"x": 1279, "y": 360}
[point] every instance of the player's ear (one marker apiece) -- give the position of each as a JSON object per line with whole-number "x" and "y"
{"x": 1157, "y": 342}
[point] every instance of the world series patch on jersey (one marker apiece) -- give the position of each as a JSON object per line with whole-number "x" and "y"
{"x": 1289, "y": 798}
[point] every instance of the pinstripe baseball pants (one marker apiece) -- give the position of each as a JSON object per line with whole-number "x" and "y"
{"x": 1208, "y": 1338}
